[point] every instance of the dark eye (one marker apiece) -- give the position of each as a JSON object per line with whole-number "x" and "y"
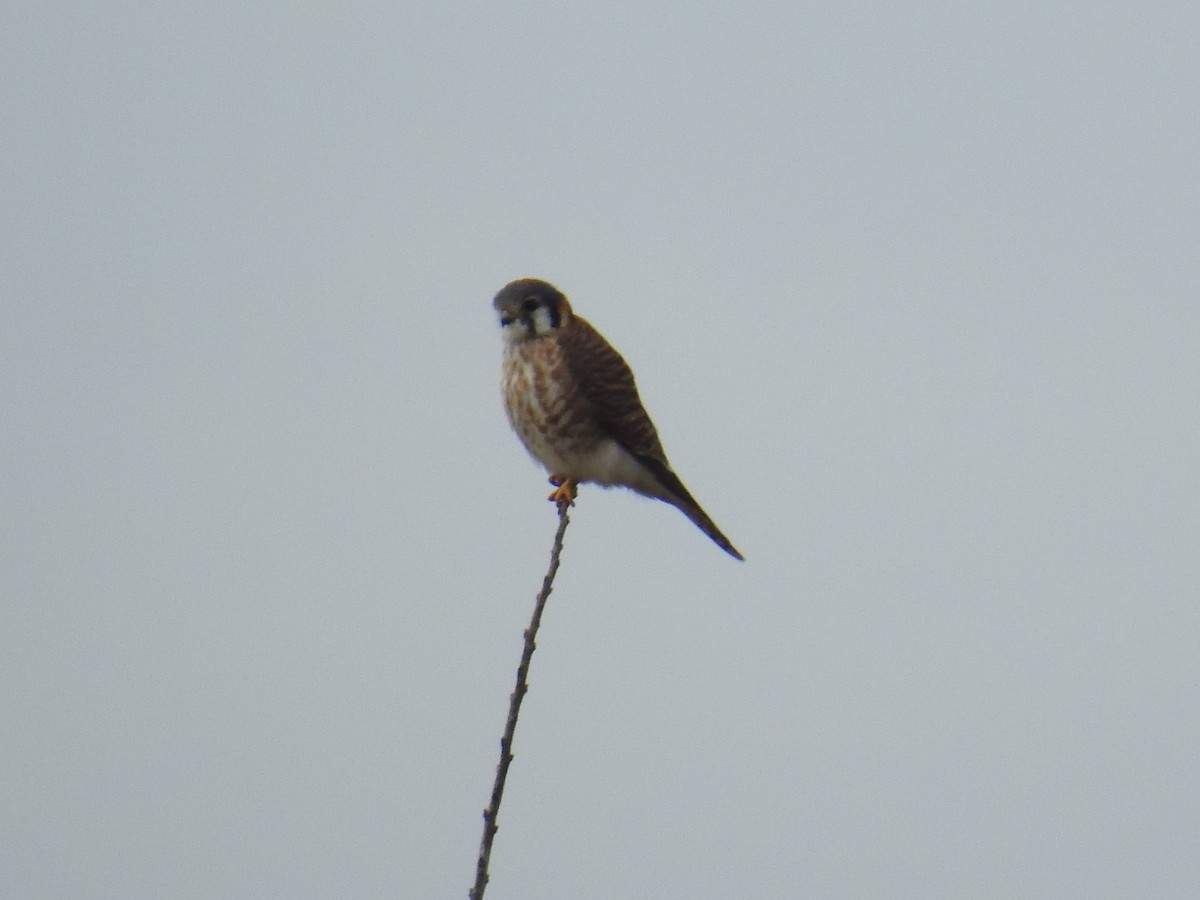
{"x": 529, "y": 305}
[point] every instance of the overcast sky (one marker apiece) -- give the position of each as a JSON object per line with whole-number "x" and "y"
{"x": 912, "y": 292}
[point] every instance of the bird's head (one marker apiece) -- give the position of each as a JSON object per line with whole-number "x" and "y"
{"x": 530, "y": 308}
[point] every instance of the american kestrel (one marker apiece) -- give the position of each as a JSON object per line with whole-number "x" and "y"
{"x": 572, "y": 400}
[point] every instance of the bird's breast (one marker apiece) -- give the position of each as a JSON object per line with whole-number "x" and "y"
{"x": 545, "y": 406}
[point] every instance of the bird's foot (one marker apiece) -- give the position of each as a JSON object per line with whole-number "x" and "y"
{"x": 565, "y": 491}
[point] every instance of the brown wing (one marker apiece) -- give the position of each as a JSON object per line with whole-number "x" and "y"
{"x": 606, "y": 382}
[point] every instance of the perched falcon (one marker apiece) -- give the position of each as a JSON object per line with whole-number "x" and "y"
{"x": 572, "y": 400}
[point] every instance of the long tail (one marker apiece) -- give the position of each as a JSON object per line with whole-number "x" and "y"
{"x": 693, "y": 511}
{"x": 679, "y": 497}
{"x": 672, "y": 491}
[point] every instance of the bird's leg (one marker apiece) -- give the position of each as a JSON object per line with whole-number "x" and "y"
{"x": 565, "y": 490}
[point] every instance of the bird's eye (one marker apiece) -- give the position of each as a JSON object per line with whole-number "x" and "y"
{"x": 529, "y": 305}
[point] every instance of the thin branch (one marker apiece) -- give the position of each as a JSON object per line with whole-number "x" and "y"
{"x": 514, "y": 709}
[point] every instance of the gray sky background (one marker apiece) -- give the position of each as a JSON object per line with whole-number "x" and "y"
{"x": 911, "y": 291}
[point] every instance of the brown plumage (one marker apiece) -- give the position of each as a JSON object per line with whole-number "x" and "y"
{"x": 572, "y": 400}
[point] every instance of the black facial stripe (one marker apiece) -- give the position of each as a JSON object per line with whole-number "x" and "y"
{"x": 530, "y": 307}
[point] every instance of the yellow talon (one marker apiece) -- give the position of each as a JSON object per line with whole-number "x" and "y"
{"x": 565, "y": 491}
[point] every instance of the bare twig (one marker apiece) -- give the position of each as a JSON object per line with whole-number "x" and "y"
{"x": 514, "y": 709}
